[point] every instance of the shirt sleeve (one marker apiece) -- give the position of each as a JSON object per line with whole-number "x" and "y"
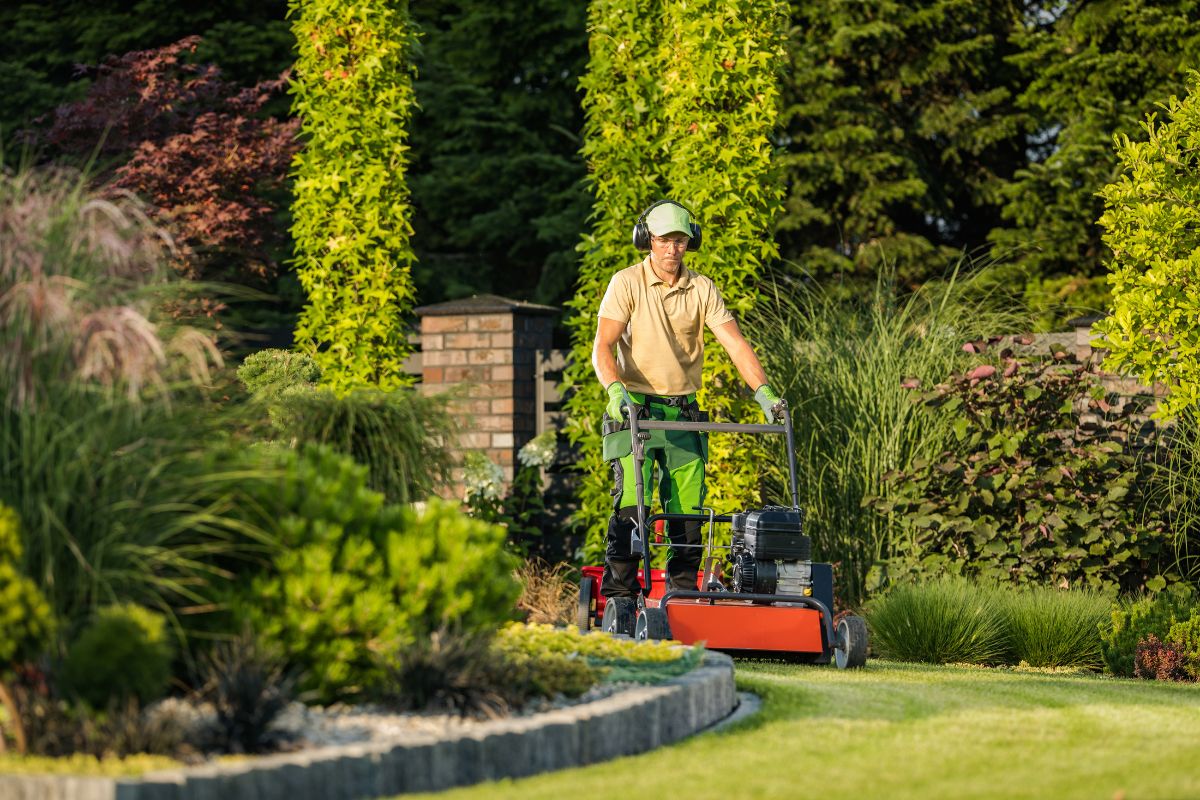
{"x": 715, "y": 312}
{"x": 618, "y": 300}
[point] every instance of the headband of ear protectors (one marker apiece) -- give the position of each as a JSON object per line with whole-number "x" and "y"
{"x": 641, "y": 231}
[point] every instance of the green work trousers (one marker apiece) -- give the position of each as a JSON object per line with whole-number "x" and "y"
{"x": 679, "y": 457}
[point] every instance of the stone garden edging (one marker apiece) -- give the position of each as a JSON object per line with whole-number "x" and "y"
{"x": 631, "y": 721}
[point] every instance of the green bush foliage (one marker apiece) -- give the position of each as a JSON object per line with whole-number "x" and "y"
{"x": 955, "y": 620}
{"x": 401, "y": 435}
{"x": 1186, "y": 636}
{"x": 679, "y": 102}
{"x": 25, "y": 619}
{"x": 1024, "y": 494}
{"x": 1055, "y": 627}
{"x": 353, "y": 93}
{"x": 268, "y": 374}
{"x": 844, "y": 365}
{"x": 1133, "y": 620}
{"x": 352, "y": 576}
{"x": 1151, "y": 221}
{"x": 940, "y": 622}
{"x": 124, "y": 652}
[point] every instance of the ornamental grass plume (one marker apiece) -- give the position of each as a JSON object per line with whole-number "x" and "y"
{"x": 82, "y": 283}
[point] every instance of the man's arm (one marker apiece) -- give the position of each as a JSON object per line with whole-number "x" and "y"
{"x": 741, "y": 353}
{"x": 603, "y": 361}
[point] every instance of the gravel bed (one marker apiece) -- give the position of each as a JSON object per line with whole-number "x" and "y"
{"x": 301, "y": 727}
{"x": 317, "y": 726}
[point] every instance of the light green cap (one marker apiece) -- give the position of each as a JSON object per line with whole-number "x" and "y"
{"x": 669, "y": 218}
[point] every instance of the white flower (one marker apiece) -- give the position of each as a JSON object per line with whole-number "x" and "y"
{"x": 539, "y": 451}
{"x": 481, "y": 476}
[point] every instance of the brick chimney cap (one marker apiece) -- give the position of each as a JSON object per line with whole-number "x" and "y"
{"x": 484, "y": 304}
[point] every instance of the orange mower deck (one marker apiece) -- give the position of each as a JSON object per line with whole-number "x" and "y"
{"x": 746, "y": 627}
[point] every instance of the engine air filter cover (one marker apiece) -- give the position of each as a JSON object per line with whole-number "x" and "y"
{"x": 776, "y": 533}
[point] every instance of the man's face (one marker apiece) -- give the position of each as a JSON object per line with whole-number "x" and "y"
{"x": 668, "y": 250}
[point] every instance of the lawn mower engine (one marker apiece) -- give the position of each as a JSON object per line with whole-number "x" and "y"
{"x": 771, "y": 554}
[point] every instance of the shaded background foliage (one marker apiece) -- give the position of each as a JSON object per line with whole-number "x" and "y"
{"x": 907, "y": 135}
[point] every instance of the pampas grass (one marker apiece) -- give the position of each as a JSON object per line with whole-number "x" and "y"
{"x": 847, "y": 369}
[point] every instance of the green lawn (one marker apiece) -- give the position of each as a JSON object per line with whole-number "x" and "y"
{"x": 901, "y": 730}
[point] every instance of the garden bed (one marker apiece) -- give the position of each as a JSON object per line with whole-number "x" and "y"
{"x": 432, "y": 754}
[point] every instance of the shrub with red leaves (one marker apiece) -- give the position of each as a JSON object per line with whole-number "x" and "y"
{"x": 199, "y": 149}
{"x": 1159, "y": 660}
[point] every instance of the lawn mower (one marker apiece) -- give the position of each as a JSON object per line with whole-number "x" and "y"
{"x": 776, "y": 603}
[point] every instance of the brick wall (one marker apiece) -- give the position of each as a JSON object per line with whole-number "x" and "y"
{"x": 485, "y": 347}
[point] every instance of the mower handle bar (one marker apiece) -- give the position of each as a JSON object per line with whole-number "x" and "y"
{"x": 638, "y": 437}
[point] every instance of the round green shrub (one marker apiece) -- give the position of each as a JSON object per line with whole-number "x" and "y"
{"x": 269, "y": 373}
{"x": 940, "y": 622}
{"x": 352, "y": 576}
{"x": 1133, "y": 620}
{"x": 123, "y": 652}
{"x": 25, "y": 618}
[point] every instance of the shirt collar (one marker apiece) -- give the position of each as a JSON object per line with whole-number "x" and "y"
{"x": 685, "y": 275}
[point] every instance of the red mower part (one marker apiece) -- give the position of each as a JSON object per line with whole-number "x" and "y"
{"x": 593, "y": 578}
{"x": 741, "y": 626}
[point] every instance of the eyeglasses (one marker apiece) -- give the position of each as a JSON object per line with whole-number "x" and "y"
{"x": 677, "y": 244}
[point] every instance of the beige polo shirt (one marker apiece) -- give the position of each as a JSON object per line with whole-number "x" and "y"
{"x": 662, "y": 349}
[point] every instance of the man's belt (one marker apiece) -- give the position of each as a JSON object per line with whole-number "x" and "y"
{"x": 678, "y": 401}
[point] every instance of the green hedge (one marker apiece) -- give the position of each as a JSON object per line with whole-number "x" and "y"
{"x": 353, "y": 93}
{"x": 680, "y": 100}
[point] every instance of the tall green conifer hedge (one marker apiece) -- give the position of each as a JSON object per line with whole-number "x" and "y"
{"x": 353, "y": 91}
{"x": 680, "y": 100}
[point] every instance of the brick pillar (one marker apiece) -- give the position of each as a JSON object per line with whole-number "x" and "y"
{"x": 487, "y": 344}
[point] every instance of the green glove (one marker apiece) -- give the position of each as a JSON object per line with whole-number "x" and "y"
{"x": 769, "y": 402}
{"x": 617, "y": 398}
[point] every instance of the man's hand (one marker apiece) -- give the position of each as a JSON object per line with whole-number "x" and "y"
{"x": 617, "y": 400}
{"x": 770, "y": 402}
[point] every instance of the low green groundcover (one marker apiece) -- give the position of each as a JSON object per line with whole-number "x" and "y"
{"x": 13, "y": 764}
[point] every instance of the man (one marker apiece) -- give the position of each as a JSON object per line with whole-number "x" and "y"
{"x": 652, "y": 315}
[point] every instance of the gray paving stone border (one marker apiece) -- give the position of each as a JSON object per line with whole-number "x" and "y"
{"x": 631, "y": 721}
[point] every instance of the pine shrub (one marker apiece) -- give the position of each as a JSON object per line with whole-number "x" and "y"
{"x": 1136, "y": 619}
{"x": 123, "y": 653}
{"x": 351, "y": 576}
{"x": 25, "y": 618}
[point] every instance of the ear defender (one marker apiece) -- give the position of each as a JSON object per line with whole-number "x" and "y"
{"x": 641, "y": 231}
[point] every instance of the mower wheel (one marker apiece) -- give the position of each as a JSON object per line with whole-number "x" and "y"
{"x": 618, "y": 615}
{"x": 851, "y": 648}
{"x": 651, "y": 624}
{"x": 583, "y": 612}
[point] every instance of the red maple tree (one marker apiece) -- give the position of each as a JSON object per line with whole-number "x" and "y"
{"x": 201, "y": 151}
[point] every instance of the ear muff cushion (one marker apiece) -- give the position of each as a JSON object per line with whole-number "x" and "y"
{"x": 641, "y": 237}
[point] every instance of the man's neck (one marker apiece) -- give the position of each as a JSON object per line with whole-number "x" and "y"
{"x": 663, "y": 275}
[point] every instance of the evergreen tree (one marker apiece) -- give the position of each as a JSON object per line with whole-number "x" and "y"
{"x": 899, "y": 126}
{"x": 45, "y": 42}
{"x": 497, "y": 179}
{"x": 1096, "y": 71}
